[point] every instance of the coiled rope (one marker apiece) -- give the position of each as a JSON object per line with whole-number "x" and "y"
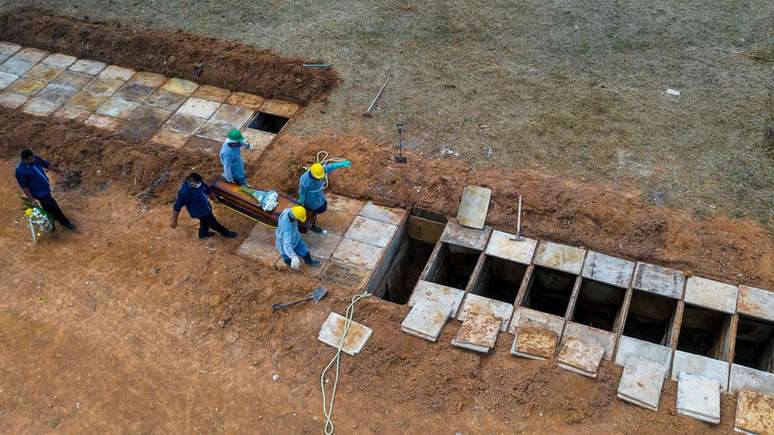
{"x": 323, "y": 159}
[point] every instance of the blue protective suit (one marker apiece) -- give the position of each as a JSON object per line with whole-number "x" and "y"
{"x": 287, "y": 237}
{"x": 310, "y": 189}
{"x": 231, "y": 159}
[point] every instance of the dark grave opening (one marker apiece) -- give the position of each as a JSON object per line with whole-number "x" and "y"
{"x": 599, "y": 305}
{"x": 703, "y": 332}
{"x": 650, "y": 317}
{"x": 499, "y": 279}
{"x": 453, "y": 266}
{"x": 549, "y": 291}
{"x": 754, "y": 344}
{"x": 268, "y": 122}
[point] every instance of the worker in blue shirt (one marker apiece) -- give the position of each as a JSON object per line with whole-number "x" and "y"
{"x": 32, "y": 178}
{"x": 231, "y": 157}
{"x": 194, "y": 195}
{"x": 310, "y": 190}
{"x": 288, "y": 239}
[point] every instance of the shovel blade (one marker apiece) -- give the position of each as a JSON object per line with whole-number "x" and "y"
{"x": 319, "y": 293}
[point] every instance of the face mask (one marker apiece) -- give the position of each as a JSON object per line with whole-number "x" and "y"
{"x": 195, "y": 184}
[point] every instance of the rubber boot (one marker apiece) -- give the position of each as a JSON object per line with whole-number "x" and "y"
{"x": 311, "y": 261}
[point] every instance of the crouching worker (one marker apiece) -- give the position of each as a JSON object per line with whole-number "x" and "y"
{"x": 288, "y": 238}
{"x": 194, "y": 195}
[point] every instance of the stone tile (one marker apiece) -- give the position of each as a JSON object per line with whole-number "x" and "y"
{"x": 358, "y": 254}
{"x": 86, "y": 100}
{"x": 134, "y": 91}
{"x": 170, "y": 138}
{"x": 6, "y": 79}
{"x": 756, "y": 302}
{"x": 205, "y": 145}
{"x": 57, "y": 94}
{"x": 321, "y": 245}
{"x": 700, "y": 366}
{"x": 502, "y": 246}
{"x": 180, "y": 86}
{"x": 117, "y": 107}
{"x": 633, "y": 348}
{"x": 535, "y": 343}
{"x": 641, "y": 382}
{"x": 332, "y": 331}
{"x": 345, "y": 275}
{"x": 86, "y": 66}
{"x": 40, "y": 107}
{"x": 249, "y": 101}
{"x": 59, "y": 60}
{"x": 478, "y": 332}
{"x": 607, "y": 269}
{"x": 149, "y": 79}
{"x": 711, "y": 294}
{"x": 72, "y": 79}
{"x": 698, "y": 397}
{"x": 426, "y": 319}
{"x": 115, "y": 72}
{"x": 72, "y": 114}
{"x": 341, "y": 213}
{"x": 143, "y": 122}
{"x": 479, "y": 305}
{"x": 103, "y": 122}
{"x": 746, "y": 378}
{"x": 474, "y": 206}
{"x": 580, "y": 357}
{"x": 425, "y": 290}
{"x": 371, "y": 231}
{"x": 258, "y": 246}
{"x": 198, "y": 108}
{"x": 12, "y": 101}
{"x": 659, "y": 280}
{"x": 212, "y": 93}
{"x": 43, "y": 73}
{"x": 102, "y": 88}
{"x": 183, "y": 124}
{"x": 754, "y": 413}
{"x": 30, "y": 54}
{"x": 379, "y": 213}
{"x": 456, "y": 234}
{"x": 560, "y": 257}
{"x": 234, "y": 115}
{"x": 26, "y": 87}
{"x": 214, "y": 131}
{"x": 587, "y": 334}
{"x": 280, "y": 108}
{"x": 259, "y": 139}
{"x": 7, "y": 49}
{"x": 528, "y": 318}
{"x": 166, "y": 100}
{"x": 16, "y": 66}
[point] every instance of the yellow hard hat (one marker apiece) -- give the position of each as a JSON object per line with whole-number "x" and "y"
{"x": 299, "y": 212}
{"x": 317, "y": 171}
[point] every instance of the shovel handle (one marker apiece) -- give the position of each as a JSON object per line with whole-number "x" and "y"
{"x": 276, "y": 307}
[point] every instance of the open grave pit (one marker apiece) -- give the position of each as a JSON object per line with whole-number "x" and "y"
{"x": 599, "y": 305}
{"x": 499, "y": 279}
{"x": 549, "y": 291}
{"x": 705, "y": 332}
{"x": 650, "y": 317}
{"x": 452, "y": 266}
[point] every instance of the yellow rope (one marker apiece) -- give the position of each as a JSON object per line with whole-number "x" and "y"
{"x": 249, "y": 217}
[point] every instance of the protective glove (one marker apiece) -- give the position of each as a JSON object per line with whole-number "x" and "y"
{"x": 337, "y": 165}
{"x": 295, "y": 262}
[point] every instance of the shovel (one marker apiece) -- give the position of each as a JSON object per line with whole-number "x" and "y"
{"x": 316, "y": 295}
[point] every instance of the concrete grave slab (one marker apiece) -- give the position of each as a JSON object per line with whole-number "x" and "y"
{"x": 371, "y": 231}
{"x": 212, "y": 93}
{"x": 341, "y": 212}
{"x": 534, "y": 343}
{"x": 478, "y": 332}
{"x": 72, "y": 79}
{"x": 259, "y": 246}
{"x": 143, "y": 122}
{"x": 345, "y": 275}
{"x": 746, "y": 378}
{"x": 180, "y": 86}
{"x": 456, "y": 234}
{"x": 87, "y": 66}
{"x": 6, "y": 79}
{"x": 208, "y": 146}
{"x": 581, "y": 357}
{"x": 474, "y": 206}
{"x": 183, "y": 124}
{"x": 170, "y": 138}
{"x": 333, "y": 330}
{"x": 235, "y": 116}
{"x": 482, "y": 306}
{"x": 633, "y": 348}
{"x": 698, "y": 397}
{"x": 117, "y": 107}
{"x": 358, "y": 254}
{"x": 560, "y": 257}
{"x": 249, "y": 101}
{"x": 86, "y": 100}
{"x": 115, "y": 72}
{"x": 59, "y": 60}
{"x": 426, "y": 319}
{"x": 280, "y": 108}
{"x": 165, "y": 100}
{"x": 72, "y": 114}
{"x": 146, "y": 78}
{"x": 754, "y": 413}
{"x": 16, "y": 66}
{"x": 43, "y": 73}
{"x": 56, "y": 94}
{"x": 756, "y": 302}
{"x": 198, "y": 107}
{"x": 641, "y": 382}
{"x": 40, "y": 107}
{"x": 140, "y": 86}
{"x": 698, "y": 365}
{"x": 448, "y": 296}
{"x": 711, "y": 294}
{"x": 7, "y": 49}
{"x": 502, "y": 245}
{"x": 12, "y": 101}
{"x": 659, "y": 280}
{"x": 608, "y": 269}
{"x": 587, "y": 334}
{"x": 259, "y": 139}
{"x": 103, "y": 122}
{"x": 26, "y": 86}
{"x": 322, "y": 245}
{"x": 102, "y": 88}
{"x": 393, "y": 216}
{"x": 214, "y": 131}
{"x": 30, "y": 54}
{"x": 524, "y": 317}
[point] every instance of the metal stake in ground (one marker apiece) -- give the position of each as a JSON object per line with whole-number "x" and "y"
{"x": 400, "y": 158}
{"x": 367, "y": 113}
{"x": 518, "y": 223}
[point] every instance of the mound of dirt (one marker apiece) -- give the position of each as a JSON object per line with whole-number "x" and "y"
{"x": 226, "y": 64}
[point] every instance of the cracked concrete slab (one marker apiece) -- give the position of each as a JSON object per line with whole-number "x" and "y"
{"x": 608, "y": 269}
{"x": 711, "y": 294}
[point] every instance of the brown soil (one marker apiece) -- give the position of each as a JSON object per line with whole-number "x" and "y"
{"x": 226, "y": 64}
